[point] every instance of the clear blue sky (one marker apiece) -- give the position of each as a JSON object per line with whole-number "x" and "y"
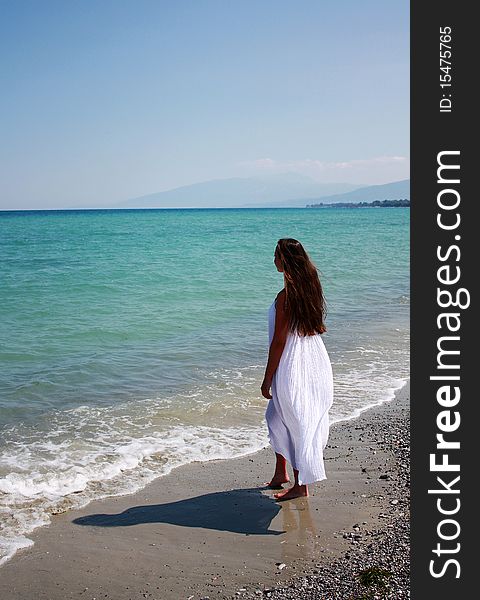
{"x": 105, "y": 100}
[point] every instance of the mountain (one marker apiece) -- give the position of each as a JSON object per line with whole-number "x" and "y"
{"x": 388, "y": 191}
{"x": 285, "y": 189}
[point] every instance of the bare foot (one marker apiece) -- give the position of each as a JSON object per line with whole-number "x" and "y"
{"x": 297, "y": 491}
{"x": 277, "y": 481}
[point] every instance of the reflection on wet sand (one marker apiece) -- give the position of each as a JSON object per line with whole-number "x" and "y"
{"x": 300, "y": 531}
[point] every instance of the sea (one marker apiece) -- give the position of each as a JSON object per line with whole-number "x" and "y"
{"x": 135, "y": 341}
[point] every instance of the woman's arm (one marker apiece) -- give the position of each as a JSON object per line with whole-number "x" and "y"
{"x": 278, "y": 344}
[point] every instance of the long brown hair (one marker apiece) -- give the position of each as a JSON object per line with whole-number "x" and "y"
{"x": 304, "y": 301}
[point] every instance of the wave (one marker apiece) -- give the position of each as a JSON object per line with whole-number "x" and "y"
{"x": 96, "y": 452}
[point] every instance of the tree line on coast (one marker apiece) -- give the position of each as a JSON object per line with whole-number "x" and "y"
{"x": 401, "y": 203}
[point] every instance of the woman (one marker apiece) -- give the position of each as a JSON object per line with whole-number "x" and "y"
{"x": 298, "y": 373}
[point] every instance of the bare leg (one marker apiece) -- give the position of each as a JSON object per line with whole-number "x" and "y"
{"x": 280, "y": 476}
{"x": 296, "y": 491}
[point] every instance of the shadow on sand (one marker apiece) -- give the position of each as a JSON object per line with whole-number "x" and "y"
{"x": 245, "y": 511}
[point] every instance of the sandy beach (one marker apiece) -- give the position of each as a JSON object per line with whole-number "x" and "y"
{"x": 212, "y": 529}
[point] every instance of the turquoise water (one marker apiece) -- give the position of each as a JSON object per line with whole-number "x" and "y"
{"x": 134, "y": 341}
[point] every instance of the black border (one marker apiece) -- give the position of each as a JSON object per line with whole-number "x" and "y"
{"x": 432, "y": 132}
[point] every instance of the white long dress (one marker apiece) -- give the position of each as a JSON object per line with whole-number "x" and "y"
{"x": 302, "y": 394}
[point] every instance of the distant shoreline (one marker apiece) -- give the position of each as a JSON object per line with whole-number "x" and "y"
{"x": 402, "y": 203}
{"x": 376, "y": 204}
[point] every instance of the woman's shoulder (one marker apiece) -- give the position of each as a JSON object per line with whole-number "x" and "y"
{"x": 280, "y": 300}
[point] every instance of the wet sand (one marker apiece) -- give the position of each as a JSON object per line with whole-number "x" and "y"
{"x": 213, "y": 530}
